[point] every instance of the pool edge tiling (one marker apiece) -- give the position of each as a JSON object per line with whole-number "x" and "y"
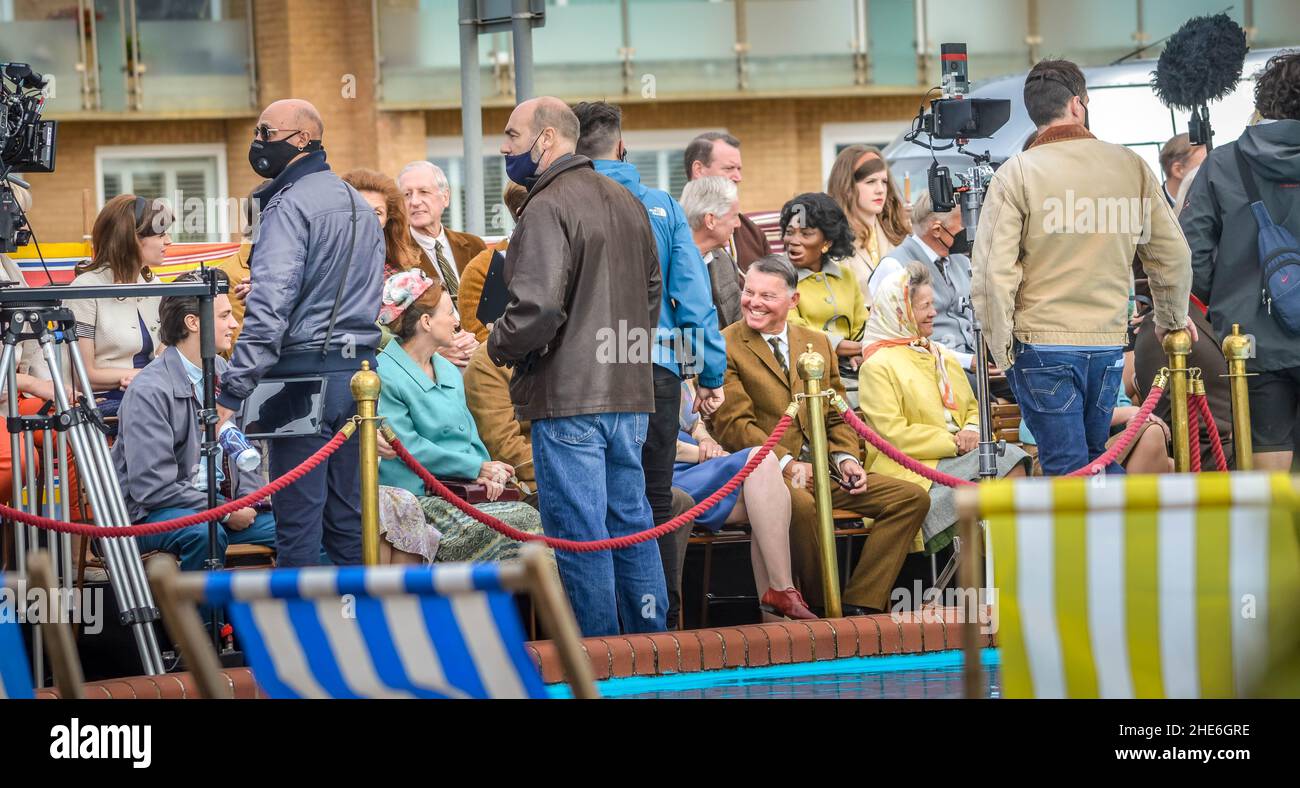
{"x": 761, "y": 645}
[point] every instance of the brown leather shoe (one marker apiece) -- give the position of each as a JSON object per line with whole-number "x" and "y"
{"x": 787, "y": 604}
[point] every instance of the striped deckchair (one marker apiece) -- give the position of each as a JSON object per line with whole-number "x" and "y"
{"x": 15, "y": 674}
{"x": 441, "y": 631}
{"x": 1172, "y": 586}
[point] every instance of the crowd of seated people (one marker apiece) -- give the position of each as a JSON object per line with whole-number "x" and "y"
{"x": 870, "y": 278}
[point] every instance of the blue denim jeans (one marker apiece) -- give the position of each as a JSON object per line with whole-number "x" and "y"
{"x": 1067, "y": 398}
{"x": 190, "y": 545}
{"x": 591, "y": 486}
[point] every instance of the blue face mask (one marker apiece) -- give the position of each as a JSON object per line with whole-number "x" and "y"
{"x": 521, "y": 168}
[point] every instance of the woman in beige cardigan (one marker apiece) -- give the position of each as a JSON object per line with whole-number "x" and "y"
{"x": 117, "y": 337}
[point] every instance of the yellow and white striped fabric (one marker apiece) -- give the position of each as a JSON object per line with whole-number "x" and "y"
{"x": 1177, "y": 586}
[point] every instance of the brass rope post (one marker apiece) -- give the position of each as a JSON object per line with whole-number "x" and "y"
{"x": 365, "y": 390}
{"x": 1236, "y": 349}
{"x": 812, "y": 370}
{"x": 1178, "y": 345}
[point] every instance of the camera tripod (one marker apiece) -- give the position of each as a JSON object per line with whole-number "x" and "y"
{"x": 79, "y": 422}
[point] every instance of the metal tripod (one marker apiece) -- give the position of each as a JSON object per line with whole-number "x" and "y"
{"x": 52, "y": 326}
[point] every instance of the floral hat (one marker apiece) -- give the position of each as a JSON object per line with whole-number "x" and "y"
{"x": 400, "y": 291}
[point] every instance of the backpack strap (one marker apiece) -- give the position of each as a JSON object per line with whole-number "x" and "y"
{"x": 1247, "y": 176}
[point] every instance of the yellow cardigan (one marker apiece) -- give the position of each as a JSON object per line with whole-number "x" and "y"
{"x": 832, "y": 291}
{"x": 898, "y": 390}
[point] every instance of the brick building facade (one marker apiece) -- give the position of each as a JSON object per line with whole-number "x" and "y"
{"x": 322, "y": 50}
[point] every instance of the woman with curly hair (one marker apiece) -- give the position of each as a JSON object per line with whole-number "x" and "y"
{"x": 381, "y": 192}
{"x": 818, "y": 240}
{"x": 861, "y": 185}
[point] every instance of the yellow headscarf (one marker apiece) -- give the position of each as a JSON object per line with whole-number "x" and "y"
{"x": 892, "y": 322}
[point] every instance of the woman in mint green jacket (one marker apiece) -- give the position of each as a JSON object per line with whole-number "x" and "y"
{"x": 423, "y": 399}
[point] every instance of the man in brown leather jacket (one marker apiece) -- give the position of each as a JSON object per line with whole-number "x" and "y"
{"x": 583, "y": 274}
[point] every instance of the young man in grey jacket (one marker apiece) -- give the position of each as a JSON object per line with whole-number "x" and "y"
{"x": 1223, "y": 236}
{"x": 317, "y": 272}
{"x": 157, "y": 455}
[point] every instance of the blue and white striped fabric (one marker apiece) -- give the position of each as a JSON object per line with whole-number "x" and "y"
{"x": 447, "y": 631}
{"x": 15, "y": 676}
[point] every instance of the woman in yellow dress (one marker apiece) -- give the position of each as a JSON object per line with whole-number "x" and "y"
{"x": 914, "y": 393}
{"x": 861, "y": 185}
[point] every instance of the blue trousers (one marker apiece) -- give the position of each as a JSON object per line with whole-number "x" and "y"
{"x": 1067, "y": 399}
{"x": 591, "y": 486}
{"x": 323, "y": 508}
{"x": 190, "y": 545}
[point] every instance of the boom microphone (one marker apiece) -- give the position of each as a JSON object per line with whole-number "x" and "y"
{"x": 1201, "y": 63}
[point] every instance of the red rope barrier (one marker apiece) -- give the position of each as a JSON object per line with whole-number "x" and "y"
{"x": 1193, "y": 434}
{"x": 1216, "y": 442}
{"x": 175, "y": 524}
{"x": 1096, "y": 466}
{"x": 573, "y": 546}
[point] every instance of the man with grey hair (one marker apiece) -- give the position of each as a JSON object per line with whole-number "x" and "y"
{"x": 763, "y": 351}
{"x": 712, "y": 208}
{"x": 445, "y": 252}
{"x": 584, "y": 280}
{"x": 939, "y": 242}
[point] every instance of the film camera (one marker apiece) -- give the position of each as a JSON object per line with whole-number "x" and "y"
{"x": 959, "y": 118}
{"x": 26, "y": 145}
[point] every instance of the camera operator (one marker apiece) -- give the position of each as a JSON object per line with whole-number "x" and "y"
{"x": 1224, "y": 238}
{"x": 1051, "y": 281}
{"x": 319, "y": 241}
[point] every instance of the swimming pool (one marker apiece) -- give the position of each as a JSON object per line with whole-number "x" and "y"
{"x": 932, "y": 675}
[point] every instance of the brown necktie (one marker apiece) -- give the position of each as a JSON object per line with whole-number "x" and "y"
{"x": 444, "y": 268}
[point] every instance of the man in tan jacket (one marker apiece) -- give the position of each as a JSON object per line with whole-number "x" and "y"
{"x": 1051, "y": 268}
{"x": 763, "y": 351}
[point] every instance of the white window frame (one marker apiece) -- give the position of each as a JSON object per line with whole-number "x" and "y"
{"x": 848, "y": 133}
{"x": 214, "y": 150}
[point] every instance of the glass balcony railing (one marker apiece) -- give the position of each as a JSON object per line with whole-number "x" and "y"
{"x": 49, "y": 39}
{"x": 149, "y": 56}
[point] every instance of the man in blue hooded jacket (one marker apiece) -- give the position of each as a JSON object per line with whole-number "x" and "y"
{"x": 687, "y": 342}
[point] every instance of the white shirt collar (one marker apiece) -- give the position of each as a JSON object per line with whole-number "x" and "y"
{"x": 708, "y": 257}
{"x": 783, "y": 336}
{"x": 930, "y": 254}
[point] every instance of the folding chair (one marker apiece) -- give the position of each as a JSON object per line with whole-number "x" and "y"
{"x": 440, "y": 631}
{"x": 15, "y": 676}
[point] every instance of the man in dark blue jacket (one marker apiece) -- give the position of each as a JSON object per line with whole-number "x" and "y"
{"x": 687, "y": 342}
{"x": 318, "y": 241}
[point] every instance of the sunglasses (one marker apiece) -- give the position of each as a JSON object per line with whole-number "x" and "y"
{"x": 264, "y": 132}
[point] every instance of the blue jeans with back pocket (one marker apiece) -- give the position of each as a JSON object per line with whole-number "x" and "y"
{"x": 591, "y": 486}
{"x": 1067, "y": 398}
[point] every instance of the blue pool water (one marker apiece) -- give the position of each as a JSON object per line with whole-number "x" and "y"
{"x": 937, "y": 675}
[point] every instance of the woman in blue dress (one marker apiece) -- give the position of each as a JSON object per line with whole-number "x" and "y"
{"x": 762, "y": 500}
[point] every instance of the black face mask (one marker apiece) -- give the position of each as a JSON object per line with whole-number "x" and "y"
{"x": 960, "y": 244}
{"x": 270, "y": 158}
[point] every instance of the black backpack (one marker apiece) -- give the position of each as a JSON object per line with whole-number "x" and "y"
{"x": 1279, "y": 258}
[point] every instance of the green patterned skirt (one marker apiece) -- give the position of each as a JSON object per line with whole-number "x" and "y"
{"x": 466, "y": 539}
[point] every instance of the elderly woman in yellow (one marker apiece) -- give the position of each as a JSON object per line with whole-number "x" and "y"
{"x": 915, "y": 394}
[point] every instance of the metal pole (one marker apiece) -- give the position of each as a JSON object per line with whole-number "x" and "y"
{"x": 742, "y": 46}
{"x": 625, "y": 52}
{"x": 252, "y": 55}
{"x": 861, "y": 46}
{"x": 973, "y": 675}
{"x": 471, "y": 118}
{"x": 1236, "y": 348}
{"x": 208, "y": 449}
{"x": 365, "y": 390}
{"x": 812, "y": 369}
{"x": 1178, "y": 344}
{"x": 521, "y": 30}
{"x": 989, "y": 449}
{"x": 922, "y": 49}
